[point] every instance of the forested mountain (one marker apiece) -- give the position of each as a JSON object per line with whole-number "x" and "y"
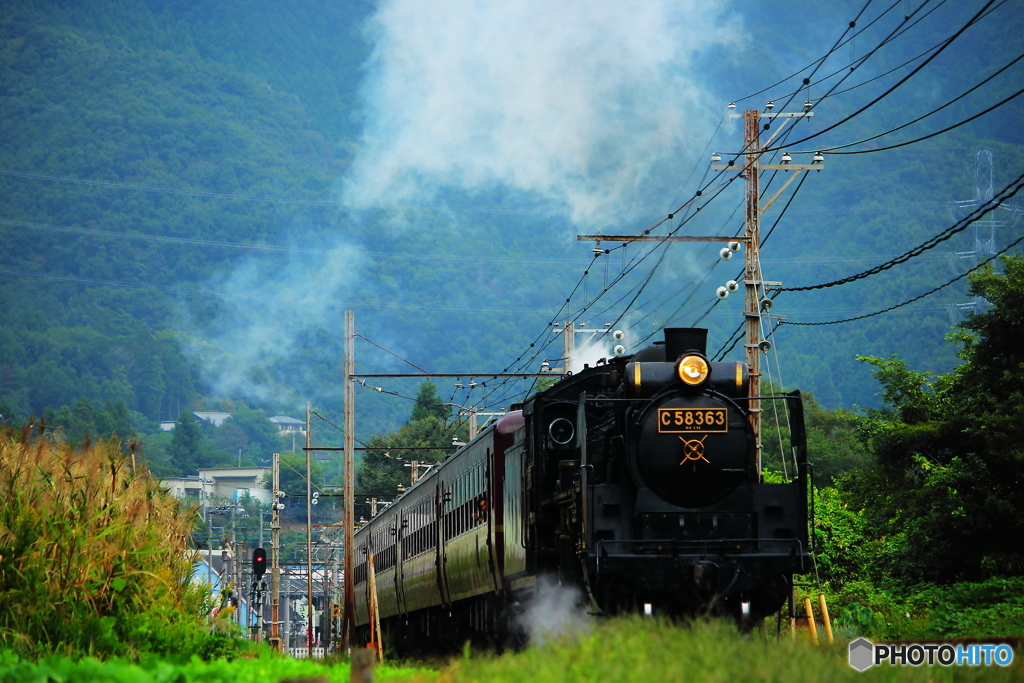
{"x": 180, "y": 229}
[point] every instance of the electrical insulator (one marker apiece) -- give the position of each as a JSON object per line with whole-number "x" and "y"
{"x": 725, "y": 254}
{"x": 732, "y": 285}
{"x": 721, "y": 292}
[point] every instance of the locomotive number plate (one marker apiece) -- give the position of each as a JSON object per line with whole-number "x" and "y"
{"x": 686, "y": 420}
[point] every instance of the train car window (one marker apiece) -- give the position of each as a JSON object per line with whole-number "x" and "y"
{"x": 480, "y": 511}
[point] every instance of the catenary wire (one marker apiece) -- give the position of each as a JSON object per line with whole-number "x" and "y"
{"x": 1009, "y": 191}
{"x": 949, "y": 41}
{"x": 916, "y": 298}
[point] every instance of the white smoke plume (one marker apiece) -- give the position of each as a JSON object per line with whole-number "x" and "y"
{"x": 597, "y": 347}
{"x": 553, "y": 612}
{"x": 267, "y": 308}
{"x": 586, "y": 103}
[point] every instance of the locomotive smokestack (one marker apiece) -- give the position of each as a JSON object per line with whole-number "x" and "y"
{"x": 679, "y": 340}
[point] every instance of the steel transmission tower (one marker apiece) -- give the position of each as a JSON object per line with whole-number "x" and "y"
{"x": 984, "y": 230}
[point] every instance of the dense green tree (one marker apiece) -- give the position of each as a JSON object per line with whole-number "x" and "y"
{"x": 946, "y": 491}
{"x": 386, "y": 465}
{"x": 834, "y": 445}
{"x": 429, "y": 404}
{"x": 186, "y": 444}
{"x": 293, "y": 474}
{"x": 247, "y": 436}
{"x": 83, "y": 422}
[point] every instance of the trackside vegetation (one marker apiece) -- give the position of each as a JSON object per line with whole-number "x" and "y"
{"x": 94, "y": 558}
{"x": 263, "y": 669}
{"x": 612, "y": 651}
{"x": 638, "y": 649}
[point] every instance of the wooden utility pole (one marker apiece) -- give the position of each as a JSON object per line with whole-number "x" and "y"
{"x": 348, "y": 515}
{"x": 756, "y": 303}
{"x": 752, "y": 277}
{"x": 309, "y": 539}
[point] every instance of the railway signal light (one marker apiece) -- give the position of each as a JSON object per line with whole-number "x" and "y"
{"x": 259, "y": 563}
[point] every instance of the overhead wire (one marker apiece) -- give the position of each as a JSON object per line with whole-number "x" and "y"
{"x": 839, "y": 43}
{"x": 916, "y": 298}
{"x": 933, "y": 111}
{"x": 852, "y": 66}
{"x": 930, "y": 135}
{"x": 1006, "y": 193}
{"x": 945, "y": 44}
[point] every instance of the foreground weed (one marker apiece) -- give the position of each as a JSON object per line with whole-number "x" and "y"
{"x": 265, "y": 669}
{"x": 646, "y": 650}
{"x": 94, "y": 558}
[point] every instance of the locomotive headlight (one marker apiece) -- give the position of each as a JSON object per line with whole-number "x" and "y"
{"x": 692, "y": 370}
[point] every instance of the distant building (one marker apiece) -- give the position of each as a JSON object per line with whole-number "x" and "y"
{"x": 220, "y": 484}
{"x": 288, "y": 425}
{"x": 285, "y": 425}
{"x": 216, "y": 418}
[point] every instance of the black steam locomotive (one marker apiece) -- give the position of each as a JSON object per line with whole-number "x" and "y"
{"x": 635, "y": 481}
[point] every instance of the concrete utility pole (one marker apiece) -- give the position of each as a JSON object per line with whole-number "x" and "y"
{"x": 348, "y": 516}
{"x": 275, "y": 554}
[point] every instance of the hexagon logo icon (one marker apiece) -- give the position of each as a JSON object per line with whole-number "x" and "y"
{"x": 862, "y": 654}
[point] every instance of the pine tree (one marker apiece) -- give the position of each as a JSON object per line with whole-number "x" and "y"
{"x": 186, "y": 446}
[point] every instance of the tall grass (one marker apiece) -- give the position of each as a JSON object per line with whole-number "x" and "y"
{"x": 94, "y": 558}
{"x": 624, "y": 650}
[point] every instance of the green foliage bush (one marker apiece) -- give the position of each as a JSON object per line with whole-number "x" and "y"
{"x": 264, "y": 669}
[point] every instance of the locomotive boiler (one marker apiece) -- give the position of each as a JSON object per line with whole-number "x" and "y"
{"x": 635, "y": 481}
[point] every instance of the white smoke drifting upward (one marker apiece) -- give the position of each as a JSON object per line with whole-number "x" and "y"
{"x": 268, "y": 306}
{"x": 599, "y": 346}
{"x": 587, "y": 103}
{"x": 553, "y": 612}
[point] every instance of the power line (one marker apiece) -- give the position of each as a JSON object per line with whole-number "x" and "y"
{"x": 930, "y": 135}
{"x": 821, "y": 60}
{"x": 273, "y": 247}
{"x": 916, "y": 298}
{"x": 856, "y": 63}
{"x": 246, "y": 197}
{"x": 949, "y": 41}
{"x": 957, "y": 227}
